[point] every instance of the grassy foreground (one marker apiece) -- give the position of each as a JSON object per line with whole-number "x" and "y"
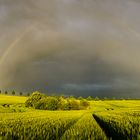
{"x": 114, "y": 119}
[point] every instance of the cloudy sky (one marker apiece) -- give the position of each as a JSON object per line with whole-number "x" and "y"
{"x": 78, "y": 47}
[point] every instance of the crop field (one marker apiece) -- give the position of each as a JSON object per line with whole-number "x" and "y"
{"x": 12, "y": 99}
{"x": 104, "y": 120}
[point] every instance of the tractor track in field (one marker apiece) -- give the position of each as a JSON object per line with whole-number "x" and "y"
{"x": 69, "y": 126}
{"x": 108, "y": 135}
{"x": 109, "y": 132}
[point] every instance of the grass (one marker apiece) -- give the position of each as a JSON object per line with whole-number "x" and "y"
{"x": 10, "y": 103}
{"x": 114, "y": 119}
{"x": 7, "y": 99}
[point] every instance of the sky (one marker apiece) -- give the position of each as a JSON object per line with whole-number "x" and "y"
{"x": 75, "y": 47}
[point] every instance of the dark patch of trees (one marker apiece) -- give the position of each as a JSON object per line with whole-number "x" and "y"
{"x": 44, "y": 102}
{"x": 13, "y": 92}
{"x": 20, "y": 93}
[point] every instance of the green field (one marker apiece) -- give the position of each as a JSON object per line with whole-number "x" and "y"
{"x": 105, "y": 120}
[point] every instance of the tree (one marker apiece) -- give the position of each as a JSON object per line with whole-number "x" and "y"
{"x": 97, "y": 98}
{"x": 33, "y": 99}
{"x": 52, "y": 103}
{"x": 62, "y": 95}
{"x": 121, "y": 98}
{"x": 105, "y": 98}
{"x": 62, "y": 103}
{"x": 113, "y": 98}
{"x": 47, "y": 103}
{"x": 6, "y": 92}
{"x": 28, "y": 94}
{"x": 13, "y": 92}
{"x": 80, "y": 98}
{"x": 20, "y": 93}
{"x": 71, "y": 97}
{"x": 0, "y": 91}
{"x": 89, "y": 98}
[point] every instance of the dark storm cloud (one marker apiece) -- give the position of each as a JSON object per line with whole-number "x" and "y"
{"x": 80, "y": 47}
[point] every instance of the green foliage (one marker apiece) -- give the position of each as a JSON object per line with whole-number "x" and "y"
{"x": 80, "y": 98}
{"x": 113, "y": 98}
{"x": 33, "y": 99}
{"x": 62, "y": 103}
{"x": 6, "y": 92}
{"x": 20, "y": 93}
{"x": 40, "y": 101}
{"x": 89, "y": 98}
{"x": 105, "y": 98}
{"x": 97, "y": 98}
{"x": 84, "y": 104}
{"x": 73, "y": 104}
{"x": 47, "y": 103}
{"x": 41, "y": 104}
{"x": 28, "y": 94}
{"x": 52, "y": 103}
{"x": 71, "y": 97}
{"x": 13, "y": 92}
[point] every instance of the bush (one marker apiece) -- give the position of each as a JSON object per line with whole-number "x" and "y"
{"x": 84, "y": 104}
{"x": 41, "y": 104}
{"x": 33, "y": 99}
{"x": 74, "y": 104}
{"x": 89, "y": 98}
{"x": 40, "y": 101}
{"x": 80, "y": 98}
{"x": 52, "y": 103}
{"x": 47, "y": 103}
{"x": 62, "y": 103}
{"x": 96, "y": 99}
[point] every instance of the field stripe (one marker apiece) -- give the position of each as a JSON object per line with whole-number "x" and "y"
{"x": 70, "y": 125}
{"x": 109, "y": 131}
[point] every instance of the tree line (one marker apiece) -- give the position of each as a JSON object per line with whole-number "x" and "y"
{"x": 90, "y": 98}
{"x": 15, "y": 93}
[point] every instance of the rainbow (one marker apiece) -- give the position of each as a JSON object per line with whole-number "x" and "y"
{"x": 15, "y": 42}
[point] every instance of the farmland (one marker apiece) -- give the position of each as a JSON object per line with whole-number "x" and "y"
{"x": 104, "y": 120}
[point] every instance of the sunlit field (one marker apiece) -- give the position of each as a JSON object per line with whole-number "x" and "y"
{"x": 104, "y": 120}
{"x": 12, "y": 99}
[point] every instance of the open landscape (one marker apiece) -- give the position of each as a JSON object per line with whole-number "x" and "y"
{"x": 69, "y": 69}
{"x": 103, "y": 120}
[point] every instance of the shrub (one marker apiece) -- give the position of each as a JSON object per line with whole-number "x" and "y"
{"x": 13, "y": 92}
{"x": 20, "y": 93}
{"x": 74, "y": 104}
{"x": 97, "y": 98}
{"x": 62, "y": 104}
{"x": 52, "y": 103}
{"x": 33, "y": 99}
{"x": 89, "y": 98}
{"x": 41, "y": 104}
{"x": 80, "y": 98}
{"x": 40, "y": 101}
{"x": 84, "y": 104}
{"x": 47, "y": 103}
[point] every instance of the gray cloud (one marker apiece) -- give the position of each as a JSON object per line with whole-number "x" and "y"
{"x": 73, "y": 45}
